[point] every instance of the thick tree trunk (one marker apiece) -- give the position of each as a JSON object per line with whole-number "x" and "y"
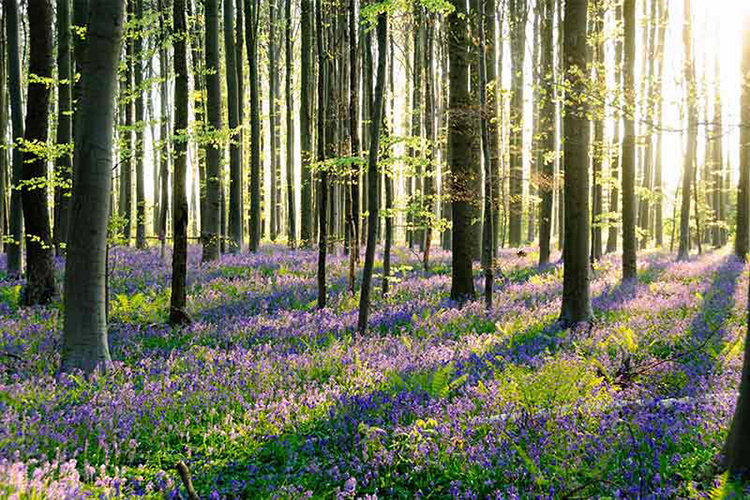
{"x": 743, "y": 188}
{"x": 490, "y": 9}
{"x": 273, "y": 119}
{"x": 127, "y": 137}
{"x": 461, "y": 137}
{"x": 15, "y": 247}
{"x": 85, "y": 344}
{"x": 64, "y": 164}
{"x": 177, "y": 309}
{"x": 576, "y": 304}
{"x": 251, "y": 38}
{"x": 306, "y": 152}
{"x": 692, "y": 114}
{"x": 628, "y": 147}
{"x": 372, "y": 171}
{"x": 40, "y": 268}
{"x": 547, "y": 124}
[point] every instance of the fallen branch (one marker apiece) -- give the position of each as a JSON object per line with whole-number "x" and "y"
{"x": 185, "y": 476}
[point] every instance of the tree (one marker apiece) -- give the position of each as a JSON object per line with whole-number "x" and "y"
{"x": 372, "y": 171}
{"x": 547, "y": 124}
{"x": 291, "y": 206}
{"x": 597, "y": 150}
{"x": 252, "y": 17}
{"x": 236, "y": 230}
{"x": 429, "y": 126}
{"x": 306, "y": 121}
{"x": 213, "y": 152}
{"x": 40, "y": 268}
{"x": 322, "y": 169}
{"x": 519, "y": 11}
{"x": 273, "y": 119}
{"x": 85, "y": 323}
{"x": 177, "y": 312}
{"x": 64, "y": 163}
{"x": 628, "y": 146}
{"x": 488, "y": 226}
{"x": 576, "y": 304}
{"x": 15, "y": 247}
{"x": 743, "y": 188}
{"x": 692, "y": 115}
{"x": 140, "y": 180}
{"x": 354, "y": 146}
{"x": 461, "y": 137}
{"x": 616, "y": 156}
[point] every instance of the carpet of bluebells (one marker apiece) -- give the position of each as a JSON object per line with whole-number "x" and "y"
{"x": 266, "y": 397}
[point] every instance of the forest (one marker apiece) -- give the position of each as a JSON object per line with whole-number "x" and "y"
{"x": 285, "y": 249}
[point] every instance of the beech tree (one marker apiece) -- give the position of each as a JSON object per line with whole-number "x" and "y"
{"x": 628, "y": 146}
{"x": 85, "y": 345}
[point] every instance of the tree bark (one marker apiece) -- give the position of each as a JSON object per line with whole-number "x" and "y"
{"x": 251, "y": 38}
{"x": 354, "y": 145}
{"x": 692, "y": 115}
{"x": 291, "y": 205}
{"x": 15, "y": 247}
{"x": 40, "y": 268}
{"x": 743, "y": 188}
{"x": 236, "y": 230}
{"x": 628, "y": 146}
{"x": 518, "y": 13}
{"x": 461, "y": 137}
{"x": 322, "y": 173}
{"x": 484, "y": 119}
{"x": 547, "y": 125}
{"x": 372, "y": 172}
{"x": 576, "y": 304}
{"x": 658, "y": 205}
{"x": 305, "y": 123}
{"x": 140, "y": 181}
{"x": 597, "y": 149}
{"x": 64, "y": 164}
{"x": 85, "y": 344}
{"x": 429, "y": 126}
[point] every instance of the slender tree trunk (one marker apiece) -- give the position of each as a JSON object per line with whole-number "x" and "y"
{"x": 488, "y": 226}
{"x": 547, "y": 122}
{"x": 718, "y": 163}
{"x": 291, "y": 205}
{"x": 658, "y": 183}
{"x": 461, "y": 137}
{"x": 15, "y": 247}
{"x": 372, "y": 171}
{"x": 628, "y": 147}
{"x": 536, "y": 156}
{"x": 429, "y": 126}
{"x": 322, "y": 173}
{"x": 576, "y": 304}
{"x": 597, "y": 149}
{"x": 354, "y": 145}
{"x": 40, "y": 268}
{"x": 743, "y": 188}
{"x": 140, "y": 180}
{"x": 490, "y": 9}
{"x": 518, "y": 13}
{"x": 164, "y": 133}
{"x": 64, "y": 164}
{"x": 251, "y": 38}
{"x": 692, "y": 112}
{"x": 85, "y": 344}
{"x": 177, "y": 309}
{"x": 4, "y": 180}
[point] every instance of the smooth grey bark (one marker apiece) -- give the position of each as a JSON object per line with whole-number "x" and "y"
{"x": 177, "y": 307}
{"x": 85, "y": 344}
{"x": 576, "y": 303}
{"x": 743, "y": 188}
{"x": 658, "y": 183}
{"x": 488, "y": 223}
{"x": 518, "y": 16}
{"x": 430, "y": 135}
{"x": 597, "y": 149}
{"x": 461, "y": 137}
{"x": 629, "y": 268}
{"x": 140, "y": 180}
{"x": 692, "y": 116}
{"x": 291, "y": 222}
{"x": 354, "y": 144}
{"x": 273, "y": 120}
{"x": 64, "y": 164}
{"x": 616, "y": 157}
{"x": 490, "y": 9}
{"x": 372, "y": 172}
{"x": 213, "y": 152}
{"x": 163, "y": 135}
{"x": 306, "y": 153}
{"x": 127, "y": 145}
{"x": 322, "y": 172}
{"x": 236, "y": 230}
{"x": 15, "y": 247}
{"x": 547, "y": 129}
{"x": 252, "y": 17}
{"x": 40, "y": 268}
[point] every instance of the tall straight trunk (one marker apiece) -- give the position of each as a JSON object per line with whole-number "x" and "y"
{"x": 430, "y": 135}
{"x": 743, "y": 188}
{"x": 140, "y": 179}
{"x": 236, "y": 230}
{"x": 199, "y": 111}
{"x": 85, "y": 343}
{"x": 495, "y": 79}
{"x": 64, "y": 164}
{"x": 372, "y": 170}
{"x": 239, "y": 43}
{"x": 15, "y": 247}
{"x": 461, "y": 137}
{"x": 273, "y": 118}
{"x": 354, "y": 145}
{"x": 447, "y": 206}
{"x": 536, "y": 156}
{"x": 718, "y": 163}
{"x": 164, "y": 133}
{"x": 576, "y": 303}
{"x": 4, "y": 180}
{"x": 322, "y": 173}
{"x": 305, "y": 122}
{"x": 291, "y": 206}
{"x": 658, "y": 205}
{"x": 40, "y": 268}
{"x": 251, "y": 38}
{"x": 560, "y": 97}
{"x": 366, "y": 119}
{"x": 547, "y": 129}
{"x": 628, "y": 147}
{"x": 518, "y": 16}
{"x": 388, "y": 180}
{"x": 127, "y": 143}
{"x": 416, "y": 118}
{"x": 692, "y": 115}
{"x": 177, "y": 313}
{"x": 487, "y": 231}
{"x": 597, "y": 148}
{"x": 616, "y": 145}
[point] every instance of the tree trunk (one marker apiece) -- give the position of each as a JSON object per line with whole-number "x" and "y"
{"x": 164, "y": 134}
{"x": 597, "y": 149}
{"x": 322, "y": 173}
{"x": 488, "y": 226}
{"x": 576, "y": 305}
{"x": 15, "y": 247}
{"x": 628, "y": 147}
{"x": 64, "y": 164}
{"x": 251, "y": 38}
{"x": 354, "y": 145}
{"x": 616, "y": 145}
{"x": 372, "y": 171}
{"x": 518, "y": 13}
{"x": 547, "y": 125}
{"x": 140, "y": 181}
{"x": 461, "y": 137}
{"x": 177, "y": 309}
{"x": 692, "y": 112}
{"x": 40, "y": 268}
{"x": 85, "y": 344}
{"x": 429, "y": 126}
{"x": 4, "y": 180}
{"x": 291, "y": 205}
{"x": 658, "y": 208}
{"x": 743, "y": 188}
{"x": 718, "y": 163}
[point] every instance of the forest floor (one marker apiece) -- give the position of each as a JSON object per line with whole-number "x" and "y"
{"x": 266, "y": 397}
